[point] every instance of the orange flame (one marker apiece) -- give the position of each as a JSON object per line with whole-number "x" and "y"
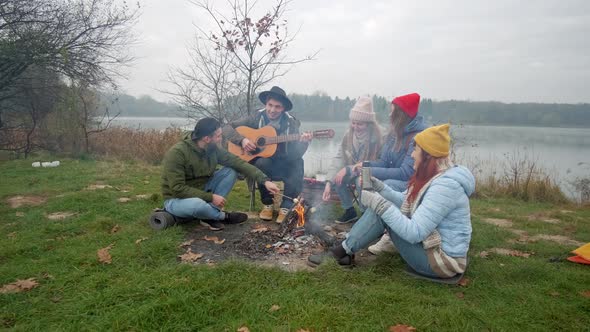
{"x": 300, "y": 210}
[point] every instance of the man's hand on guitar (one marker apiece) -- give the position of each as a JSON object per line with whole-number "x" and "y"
{"x": 247, "y": 145}
{"x": 306, "y": 136}
{"x": 272, "y": 187}
{"x": 218, "y": 201}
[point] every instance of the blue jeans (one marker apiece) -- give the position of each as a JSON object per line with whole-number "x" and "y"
{"x": 345, "y": 191}
{"x": 370, "y": 227}
{"x": 279, "y": 169}
{"x": 221, "y": 183}
{"x": 396, "y": 185}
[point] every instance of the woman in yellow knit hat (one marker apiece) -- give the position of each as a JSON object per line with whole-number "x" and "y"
{"x": 429, "y": 224}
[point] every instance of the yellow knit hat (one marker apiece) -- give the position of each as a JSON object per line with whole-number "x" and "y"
{"x": 435, "y": 140}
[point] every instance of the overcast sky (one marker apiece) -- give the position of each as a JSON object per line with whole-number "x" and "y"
{"x": 511, "y": 51}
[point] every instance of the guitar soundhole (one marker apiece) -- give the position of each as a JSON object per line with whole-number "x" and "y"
{"x": 261, "y": 141}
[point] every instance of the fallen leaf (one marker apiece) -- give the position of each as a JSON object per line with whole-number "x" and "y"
{"x": 585, "y": 293}
{"x": 190, "y": 257}
{"x": 141, "y": 239}
{"x": 401, "y": 328}
{"x": 104, "y": 256}
{"x": 186, "y": 243}
{"x": 554, "y": 293}
{"x": 274, "y": 308}
{"x": 484, "y": 254}
{"x": 464, "y": 282}
{"x": 243, "y": 329}
{"x": 19, "y": 286}
{"x": 46, "y": 275}
{"x": 20, "y": 214}
{"x": 115, "y": 229}
{"x": 460, "y": 295}
{"x": 214, "y": 239}
{"x": 259, "y": 230}
{"x": 123, "y": 199}
{"x": 268, "y": 246}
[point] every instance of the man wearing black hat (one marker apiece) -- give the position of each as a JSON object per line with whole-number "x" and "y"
{"x": 287, "y": 162}
{"x": 191, "y": 185}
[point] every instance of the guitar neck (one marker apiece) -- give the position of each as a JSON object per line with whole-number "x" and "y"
{"x": 282, "y": 139}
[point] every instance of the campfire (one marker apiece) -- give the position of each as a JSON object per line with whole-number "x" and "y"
{"x": 299, "y": 222}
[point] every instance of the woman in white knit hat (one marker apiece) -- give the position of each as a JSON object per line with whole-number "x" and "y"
{"x": 362, "y": 141}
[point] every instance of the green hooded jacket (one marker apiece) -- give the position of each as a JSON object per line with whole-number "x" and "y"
{"x": 186, "y": 169}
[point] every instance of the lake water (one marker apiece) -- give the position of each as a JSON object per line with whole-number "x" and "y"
{"x": 563, "y": 152}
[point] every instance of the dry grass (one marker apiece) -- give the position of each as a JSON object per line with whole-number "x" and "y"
{"x": 129, "y": 144}
{"x": 518, "y": 175}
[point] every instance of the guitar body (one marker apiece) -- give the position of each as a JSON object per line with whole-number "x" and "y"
{"x": 258, "y": 137}
{"x": 266, "y": 141}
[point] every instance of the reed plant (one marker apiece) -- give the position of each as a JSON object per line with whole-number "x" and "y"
{"x": 148, "y": 145}
{"x": 517, "y": 175}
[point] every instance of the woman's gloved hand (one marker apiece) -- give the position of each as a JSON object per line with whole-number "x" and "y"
{"x": 375, "y": 201}
{"x": 377, "y": 184}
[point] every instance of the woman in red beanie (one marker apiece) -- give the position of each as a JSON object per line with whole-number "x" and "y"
{"x": 396, "y": 165}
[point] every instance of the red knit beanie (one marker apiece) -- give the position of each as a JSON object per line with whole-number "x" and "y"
{"x": 408, "y": 103}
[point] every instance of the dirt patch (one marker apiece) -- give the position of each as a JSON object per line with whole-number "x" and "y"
{"x": 123, "y": 199}
{"x": 544, "y": 218}
{"x": 504, "y": 223}
{"x": 18, "y": 201}
{"x": 556, "y": 238}
{"x": 60, "y": 215}
{"x": 98, "y": 186}
{"x": 510, "y": 252}
{"x": 260, "y": 242}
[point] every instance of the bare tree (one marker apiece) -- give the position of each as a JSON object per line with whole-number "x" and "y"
{"x": 257, "y": 46}
{"x": 84, "y": 39}
{"x": 210, "y": 86}
{"x": 83, "y": 42}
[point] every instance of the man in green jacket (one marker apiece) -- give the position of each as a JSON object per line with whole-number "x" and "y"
{"x": 191, "y": 185}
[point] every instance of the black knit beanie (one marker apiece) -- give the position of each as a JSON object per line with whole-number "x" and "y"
{"x": 205, "y": 127}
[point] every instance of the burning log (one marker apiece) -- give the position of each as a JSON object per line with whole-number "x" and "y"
{"x": 300, "y": 216}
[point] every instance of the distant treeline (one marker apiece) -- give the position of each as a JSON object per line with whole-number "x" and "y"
{"x": 321, "y": 107}
{"x": 143, "y": 106}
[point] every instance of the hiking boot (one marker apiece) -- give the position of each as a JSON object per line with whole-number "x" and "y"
{"x": 315, "y": 260}
{"x": 266, "y": 213}
{"x": 337, "y": 252}
{"x": 282, "y": 214}
{"x": 234, "y": 218}
{"x": 213, "y": 225}
{"x": 348, "y": 216}
{"x": 383, "y": 245}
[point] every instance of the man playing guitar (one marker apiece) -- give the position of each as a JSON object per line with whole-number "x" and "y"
{"x": 287, "y": 162}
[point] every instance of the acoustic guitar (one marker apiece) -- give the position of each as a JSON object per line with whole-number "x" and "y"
{"x": 266, "y": 141}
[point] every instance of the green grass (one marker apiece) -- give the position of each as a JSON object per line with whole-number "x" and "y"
{"x": 145, "y": 288}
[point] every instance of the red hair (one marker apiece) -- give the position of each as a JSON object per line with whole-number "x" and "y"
{"x": 427, "y": 169}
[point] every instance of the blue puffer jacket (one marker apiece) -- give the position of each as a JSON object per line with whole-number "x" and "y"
{"x": 398, "y": 165}
{"x": 444, "y": 207}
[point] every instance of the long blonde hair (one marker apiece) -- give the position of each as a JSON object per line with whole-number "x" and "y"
{"x": 398, "y": 121}
{"x": 375, "y": 141}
